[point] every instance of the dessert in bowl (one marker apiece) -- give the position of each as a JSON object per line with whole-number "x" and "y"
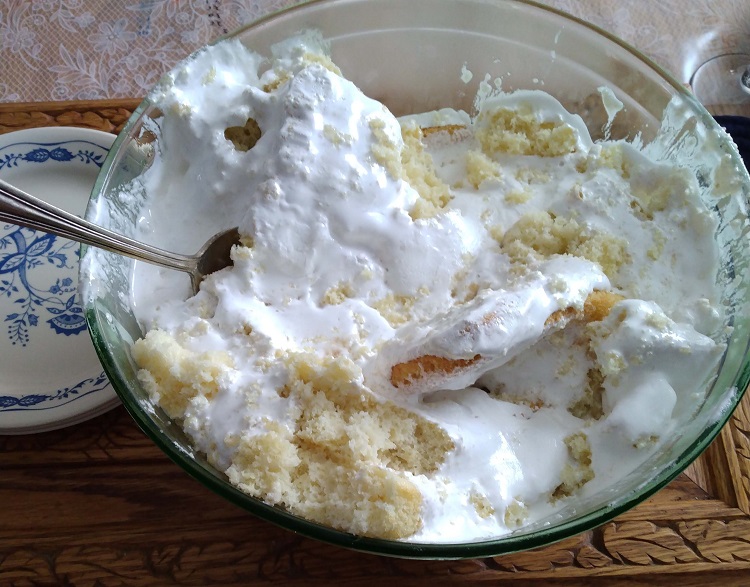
{"x": 489, "y": 289}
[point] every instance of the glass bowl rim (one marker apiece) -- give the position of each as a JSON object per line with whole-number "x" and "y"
{"x": 506, "y": 544}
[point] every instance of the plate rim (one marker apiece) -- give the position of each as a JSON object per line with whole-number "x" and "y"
{"x": 102, "y": 398}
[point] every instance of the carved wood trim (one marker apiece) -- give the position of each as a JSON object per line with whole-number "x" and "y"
{"x": 723, "y": 470}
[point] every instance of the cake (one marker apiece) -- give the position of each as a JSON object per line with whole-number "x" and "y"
{"x": 441, "y": 327}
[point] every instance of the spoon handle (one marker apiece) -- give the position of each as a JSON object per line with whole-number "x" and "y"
{"x": 19, "y": 207}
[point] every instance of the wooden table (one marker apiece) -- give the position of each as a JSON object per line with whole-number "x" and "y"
{"x": 98, "y": 504}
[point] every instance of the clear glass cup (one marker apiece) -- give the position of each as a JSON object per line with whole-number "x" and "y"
{"x": 722, "y": 84}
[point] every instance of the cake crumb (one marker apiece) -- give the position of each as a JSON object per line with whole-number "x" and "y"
{"x": 395, "y": 309}
{"x": 516, "y": 514}
{"x": 174, "y": 375}
{"x": 412, "y": 163}
{"x": 532, "y": 176}
{"x": 419, "y": 172}
{"x": 481, "y": 504}
{"x": 244, "y": 137}
{"x": 520, "y": 132}
{"x": 590, "y": 405}
{"x": 337, "y": 294}
{"x": 480, "y": 168}
{"x": 337, "y": 137}
{"x": 545, "y": 234}
{"x": 518, "y": 196}
{"x": 577, "y": 471}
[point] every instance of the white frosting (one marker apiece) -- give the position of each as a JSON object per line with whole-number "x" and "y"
{"x": 326, "y": 216}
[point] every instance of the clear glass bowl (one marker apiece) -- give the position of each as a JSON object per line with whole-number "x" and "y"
{"x": 410, "y": 55}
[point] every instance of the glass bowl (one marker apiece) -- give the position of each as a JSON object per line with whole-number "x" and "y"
{"x": 411, "y": 55}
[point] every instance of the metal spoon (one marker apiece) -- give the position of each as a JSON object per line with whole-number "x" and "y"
{"x": 21, "y": 208}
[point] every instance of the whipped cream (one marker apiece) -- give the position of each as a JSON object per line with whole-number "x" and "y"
{"x": 550, "y": 301}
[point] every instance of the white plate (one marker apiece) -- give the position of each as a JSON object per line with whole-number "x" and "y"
{"x": 50, "y": 376}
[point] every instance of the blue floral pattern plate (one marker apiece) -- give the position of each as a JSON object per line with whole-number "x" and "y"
{"x": 50, "y": 376}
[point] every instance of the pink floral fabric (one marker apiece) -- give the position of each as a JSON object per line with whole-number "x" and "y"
{"x": 96, "y": 49}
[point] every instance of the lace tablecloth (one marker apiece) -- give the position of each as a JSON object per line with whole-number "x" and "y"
{"x": 96, "y": 49}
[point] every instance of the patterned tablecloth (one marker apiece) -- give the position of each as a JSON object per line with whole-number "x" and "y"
{"x": 96, "y": 49}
